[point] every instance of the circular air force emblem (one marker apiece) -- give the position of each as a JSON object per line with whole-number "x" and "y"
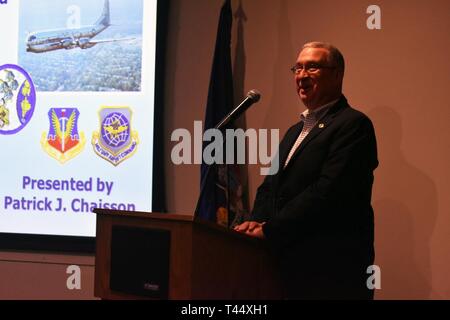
{"x": 17, "y": 99}
{"x": 115, "y": 141}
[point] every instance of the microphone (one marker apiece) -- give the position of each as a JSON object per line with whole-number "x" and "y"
{"x": 253, "y": 96}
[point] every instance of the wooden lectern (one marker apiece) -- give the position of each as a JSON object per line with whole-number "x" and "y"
{"x": 169, "y": 256}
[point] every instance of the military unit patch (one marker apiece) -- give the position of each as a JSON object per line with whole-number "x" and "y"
{"x": 63, "y": 141}
{"x": 17, "y": 99}
{"x": 115, "y": 141}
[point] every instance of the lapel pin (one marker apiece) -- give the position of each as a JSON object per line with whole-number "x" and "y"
{"x": 321, "y": 126}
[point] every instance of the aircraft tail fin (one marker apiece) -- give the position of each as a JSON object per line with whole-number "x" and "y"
{"x": 105, "y": 18}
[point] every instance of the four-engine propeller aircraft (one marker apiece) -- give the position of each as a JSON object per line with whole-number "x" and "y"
{"x": 51, "y": 40}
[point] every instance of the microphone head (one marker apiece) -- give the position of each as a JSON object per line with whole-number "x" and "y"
{"x": 254, "y": 95}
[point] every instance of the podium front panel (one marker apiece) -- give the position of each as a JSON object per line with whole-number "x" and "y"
{"x": 140, "y": 261}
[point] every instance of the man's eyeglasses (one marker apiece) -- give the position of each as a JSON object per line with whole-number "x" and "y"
{"x": 309, "y": 68}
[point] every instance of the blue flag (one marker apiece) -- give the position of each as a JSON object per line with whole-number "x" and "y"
{"x": 220, "y": 201}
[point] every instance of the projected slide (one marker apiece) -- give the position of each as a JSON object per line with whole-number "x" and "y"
{"x": 76, "y": 112}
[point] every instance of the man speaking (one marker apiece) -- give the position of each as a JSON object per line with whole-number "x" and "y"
{"x": 316, "y": 212}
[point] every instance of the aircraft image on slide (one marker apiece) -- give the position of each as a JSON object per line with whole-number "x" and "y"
{"x": 51, "y": 40}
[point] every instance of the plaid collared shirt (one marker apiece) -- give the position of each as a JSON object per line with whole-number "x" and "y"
{"x": 310, "y": 118}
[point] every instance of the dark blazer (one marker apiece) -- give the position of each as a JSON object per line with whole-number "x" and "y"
{"x": 317, "y": 210}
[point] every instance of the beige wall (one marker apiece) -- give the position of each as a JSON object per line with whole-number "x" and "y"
{"x": 399, "y": 76}
{"x": 39, "y": 276}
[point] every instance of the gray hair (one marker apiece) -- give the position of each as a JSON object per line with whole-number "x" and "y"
{"x": 336, "y": 58}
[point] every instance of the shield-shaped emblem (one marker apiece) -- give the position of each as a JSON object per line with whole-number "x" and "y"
{"x": 63, "y": 141}
{"x": 115, "y": 141}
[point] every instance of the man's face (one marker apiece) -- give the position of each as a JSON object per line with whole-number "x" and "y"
{"x": 321, "y": 85}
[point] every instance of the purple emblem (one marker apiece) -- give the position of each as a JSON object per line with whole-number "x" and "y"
{"x": 115, "y": 141}
{"x": 17, "y": 99}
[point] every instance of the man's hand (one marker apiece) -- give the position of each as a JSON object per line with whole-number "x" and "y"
{"x": 251, "y": 228}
